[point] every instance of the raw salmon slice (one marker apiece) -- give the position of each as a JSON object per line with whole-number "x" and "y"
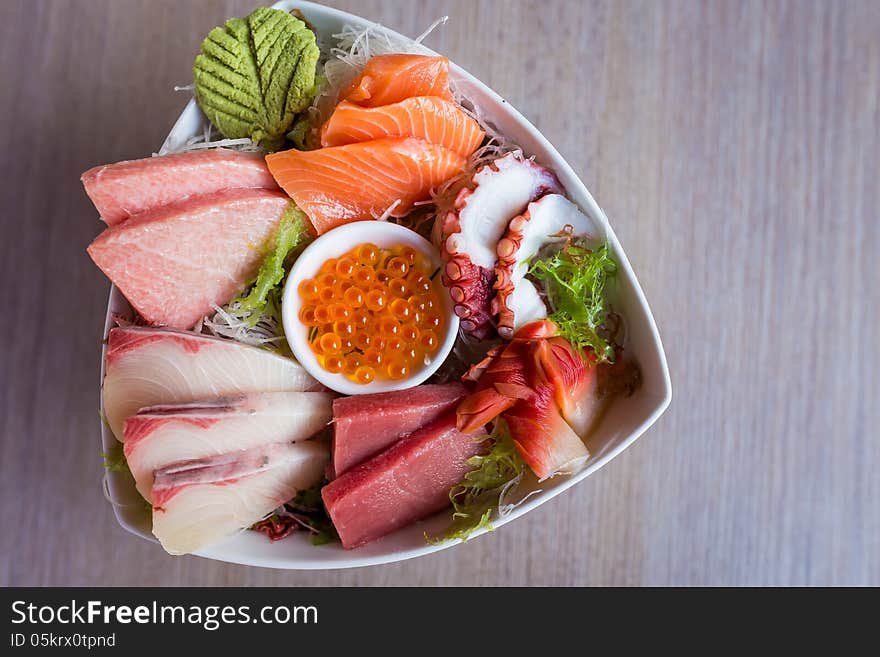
{"x": 407, "y": 482}
{"x": 355, "y": 182}
{"x": 433, "y": 119}
{"x": 364, "y": 425}
{"x": 389, "y": 79}
{"x": 132, "y": 186}
{"x": 175, "y": 262}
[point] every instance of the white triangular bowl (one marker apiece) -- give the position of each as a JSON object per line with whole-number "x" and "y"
{"x": 625, "y": 421}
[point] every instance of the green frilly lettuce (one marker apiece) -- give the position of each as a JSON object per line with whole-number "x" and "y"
{"x": 575, "y": 279}
{"x": 476, "y": 497}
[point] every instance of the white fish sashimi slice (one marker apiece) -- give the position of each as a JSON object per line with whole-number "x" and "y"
{"x": 149, "y": 366}
{"x": 198, "y": 503}
{"x": 161, "y": 435}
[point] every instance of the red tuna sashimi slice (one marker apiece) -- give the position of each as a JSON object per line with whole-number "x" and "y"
{"x": 175, "y": 263}
{"x": 364, "y": 425}
{"x": 433, "y": 119}
{"x": 362, "y": 181}
{"x": 161, "y": 435}
{"x": 198, "y": 503}
{"x": 407, "y": 482}
{"x": 125, "y": 188}
{"x": 149, "y": 366}
{"x": 391, "y": 78}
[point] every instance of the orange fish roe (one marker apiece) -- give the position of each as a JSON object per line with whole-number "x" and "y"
{"x": 373, "y": 313}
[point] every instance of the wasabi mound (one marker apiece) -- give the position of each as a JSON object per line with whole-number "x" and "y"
{"x": 255, "y": 74}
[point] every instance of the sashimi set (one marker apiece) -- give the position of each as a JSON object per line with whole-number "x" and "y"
{"x": 475, "y": 353}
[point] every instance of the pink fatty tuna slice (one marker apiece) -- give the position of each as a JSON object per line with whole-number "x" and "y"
{"x": 405, "y": 483}
{"x": 175, "y": 263}
{"x": 149, "y": 366}
{"x": 127, "y": 188}
{"x": 198, "y": 503}
{"x": 364, "y": 425}
{"x": 161, "y": 435}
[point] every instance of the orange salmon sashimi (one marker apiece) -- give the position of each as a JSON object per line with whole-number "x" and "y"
{"x": 433, "y": 119}
{"x": 340, "y": 184}
{"x": 389, "y": 79}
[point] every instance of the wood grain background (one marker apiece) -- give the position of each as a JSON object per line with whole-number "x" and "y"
{"x": 735, "y": 147}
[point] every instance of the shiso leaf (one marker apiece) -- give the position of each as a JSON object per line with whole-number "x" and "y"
{"x": 255, "y": 74}
{"x": 293, "y": 230}
{"x": 574, "y": 279}
{"x": 478, "y": 495}
{"x": 255, "y": 316}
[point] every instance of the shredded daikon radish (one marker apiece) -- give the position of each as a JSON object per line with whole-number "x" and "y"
{"x": 505, "y": 507}
{"x": 242, "y": 144}
{"x": 210, "y": 138}
{"x": 241, "y": 326}
{"x": 387, "y": 214}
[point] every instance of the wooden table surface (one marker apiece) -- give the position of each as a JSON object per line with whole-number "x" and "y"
{"x": 735, "y": 147}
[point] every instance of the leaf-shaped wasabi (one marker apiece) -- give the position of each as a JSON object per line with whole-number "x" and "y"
{"x": 255, "y": 74}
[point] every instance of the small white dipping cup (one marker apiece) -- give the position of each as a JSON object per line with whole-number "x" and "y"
{"x": 333, "y": 244}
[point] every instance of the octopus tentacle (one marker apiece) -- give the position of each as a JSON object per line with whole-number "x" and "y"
{"x": 551, "y": 219}
{"x": 469, "y": 233}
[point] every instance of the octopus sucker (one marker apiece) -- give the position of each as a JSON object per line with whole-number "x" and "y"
{"x": 470, "y": 232}
{"x": 550, "y": 219}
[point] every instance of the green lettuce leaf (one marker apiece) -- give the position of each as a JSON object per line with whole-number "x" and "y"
{"x": 255, "y": 74}
{"x": 575, "y": 279}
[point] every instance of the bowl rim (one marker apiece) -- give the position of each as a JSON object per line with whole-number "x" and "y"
{"x": 332, "y": 244}
{"x": 120, "y": 487}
